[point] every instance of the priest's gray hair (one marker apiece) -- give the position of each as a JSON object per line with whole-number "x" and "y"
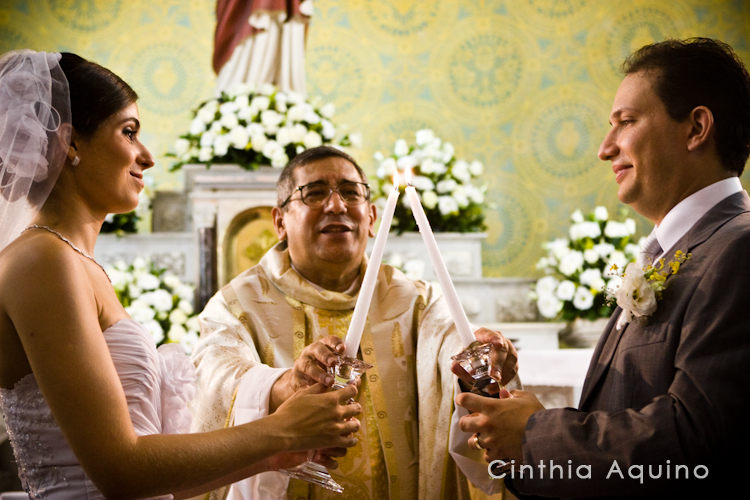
{"x": 285, "y": 185}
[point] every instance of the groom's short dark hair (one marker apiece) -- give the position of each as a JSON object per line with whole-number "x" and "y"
{"x": 702, "y": 72}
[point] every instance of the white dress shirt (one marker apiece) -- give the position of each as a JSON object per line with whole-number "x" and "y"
{"x": 686, "y": 213}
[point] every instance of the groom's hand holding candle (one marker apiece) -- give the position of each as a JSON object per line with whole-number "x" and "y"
{"x": 499, "y": 423}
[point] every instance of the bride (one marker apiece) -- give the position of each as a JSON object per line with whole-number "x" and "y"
{"x": 93, "y": 410}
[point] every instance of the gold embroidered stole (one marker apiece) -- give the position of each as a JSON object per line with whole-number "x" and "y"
{"x": 362, "y": 472}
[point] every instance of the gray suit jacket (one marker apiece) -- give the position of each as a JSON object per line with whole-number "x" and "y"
{"x": 666, "y": 392}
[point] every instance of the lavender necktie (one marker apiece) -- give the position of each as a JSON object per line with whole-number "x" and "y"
{"x": 651, "y": 249}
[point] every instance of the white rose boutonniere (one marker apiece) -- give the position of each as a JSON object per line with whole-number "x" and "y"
{"x": 642, "y": 287}
{"x": 636, "y": 296}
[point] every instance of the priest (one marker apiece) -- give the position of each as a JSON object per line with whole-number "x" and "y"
{"x": 276, "y": 328}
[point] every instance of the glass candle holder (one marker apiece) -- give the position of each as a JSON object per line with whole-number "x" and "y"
{"x": 475, "y": 360}
{"x": 347, "y": 370}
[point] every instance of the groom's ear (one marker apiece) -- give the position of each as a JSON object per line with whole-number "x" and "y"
{"x": 701, "y": 121}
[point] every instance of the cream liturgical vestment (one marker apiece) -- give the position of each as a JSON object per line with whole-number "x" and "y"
{"x": 257, "y": 325}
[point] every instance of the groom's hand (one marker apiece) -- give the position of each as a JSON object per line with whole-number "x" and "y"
{"x": 309, "y": 368}
{"x": 500, "y": 423}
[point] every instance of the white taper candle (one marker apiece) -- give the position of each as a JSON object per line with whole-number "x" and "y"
{"x": 449, "y": 291}
{"x": 362, "y": 306}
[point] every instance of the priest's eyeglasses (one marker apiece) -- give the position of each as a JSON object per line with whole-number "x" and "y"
{"x": 316, "y": 194}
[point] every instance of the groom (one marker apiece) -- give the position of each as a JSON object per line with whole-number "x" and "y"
{"x": 664, "y": 405}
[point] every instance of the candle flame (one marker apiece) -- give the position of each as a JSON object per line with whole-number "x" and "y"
{"x": 408, "y": 176}
{"x": 396, "y": 180}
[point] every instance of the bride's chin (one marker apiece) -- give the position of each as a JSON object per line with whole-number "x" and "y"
{"x": 124, "y": 208}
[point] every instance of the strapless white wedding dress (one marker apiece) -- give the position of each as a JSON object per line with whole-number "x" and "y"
{"x": 158, "y": 385}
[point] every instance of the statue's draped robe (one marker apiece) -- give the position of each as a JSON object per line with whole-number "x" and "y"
{"x": 261, "y": 321}
{"x": 260, "y": 41}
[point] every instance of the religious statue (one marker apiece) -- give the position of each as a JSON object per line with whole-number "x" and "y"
{"x": 261, "y": 41}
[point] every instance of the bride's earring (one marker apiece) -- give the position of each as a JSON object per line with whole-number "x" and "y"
{"x": 73, "y": 151}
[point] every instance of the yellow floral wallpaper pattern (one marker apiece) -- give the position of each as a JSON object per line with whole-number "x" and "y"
{"x": 525, "y": 86}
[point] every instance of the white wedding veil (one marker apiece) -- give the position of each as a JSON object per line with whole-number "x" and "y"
{"x": 35, "y": 129}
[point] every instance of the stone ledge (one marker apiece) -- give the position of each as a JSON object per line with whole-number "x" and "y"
{"x": 529, "y": 335}
{"x": 556, "y": 375}
{"x": 175, "y": 251}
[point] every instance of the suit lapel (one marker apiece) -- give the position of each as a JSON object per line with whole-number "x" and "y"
{"x": 719, "y": 215}
{"x": 604, "y": 352}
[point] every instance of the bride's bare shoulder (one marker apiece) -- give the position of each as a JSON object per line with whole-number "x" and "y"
{"x": 38, "y": 261}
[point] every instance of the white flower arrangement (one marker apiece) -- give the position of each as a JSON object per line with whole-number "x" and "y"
{"x": 577, "y": 269}
{"x": 252, "y": 127}
{"x": 447, "y": 187}
{"x": 414, "y": 269}
{"x": 157, "y": 299}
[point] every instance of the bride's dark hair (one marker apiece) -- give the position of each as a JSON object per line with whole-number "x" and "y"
{"x": 96, "y": 93}
{"x": 41, "y": 96}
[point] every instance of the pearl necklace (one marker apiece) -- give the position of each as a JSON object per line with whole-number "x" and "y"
{"x": 70, "y": 243}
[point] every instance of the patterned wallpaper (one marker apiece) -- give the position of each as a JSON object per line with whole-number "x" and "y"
{"x": 525, "y": 86}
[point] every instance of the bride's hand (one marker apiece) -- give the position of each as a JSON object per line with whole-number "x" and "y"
{"x": 289, "y": 459}
{"x": 284, "y": 460}
{"x": 326, "y": 457}
{"x": 313, "y": 419}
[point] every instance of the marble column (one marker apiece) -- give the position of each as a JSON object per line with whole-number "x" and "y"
{"x": 204, "y": 220}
